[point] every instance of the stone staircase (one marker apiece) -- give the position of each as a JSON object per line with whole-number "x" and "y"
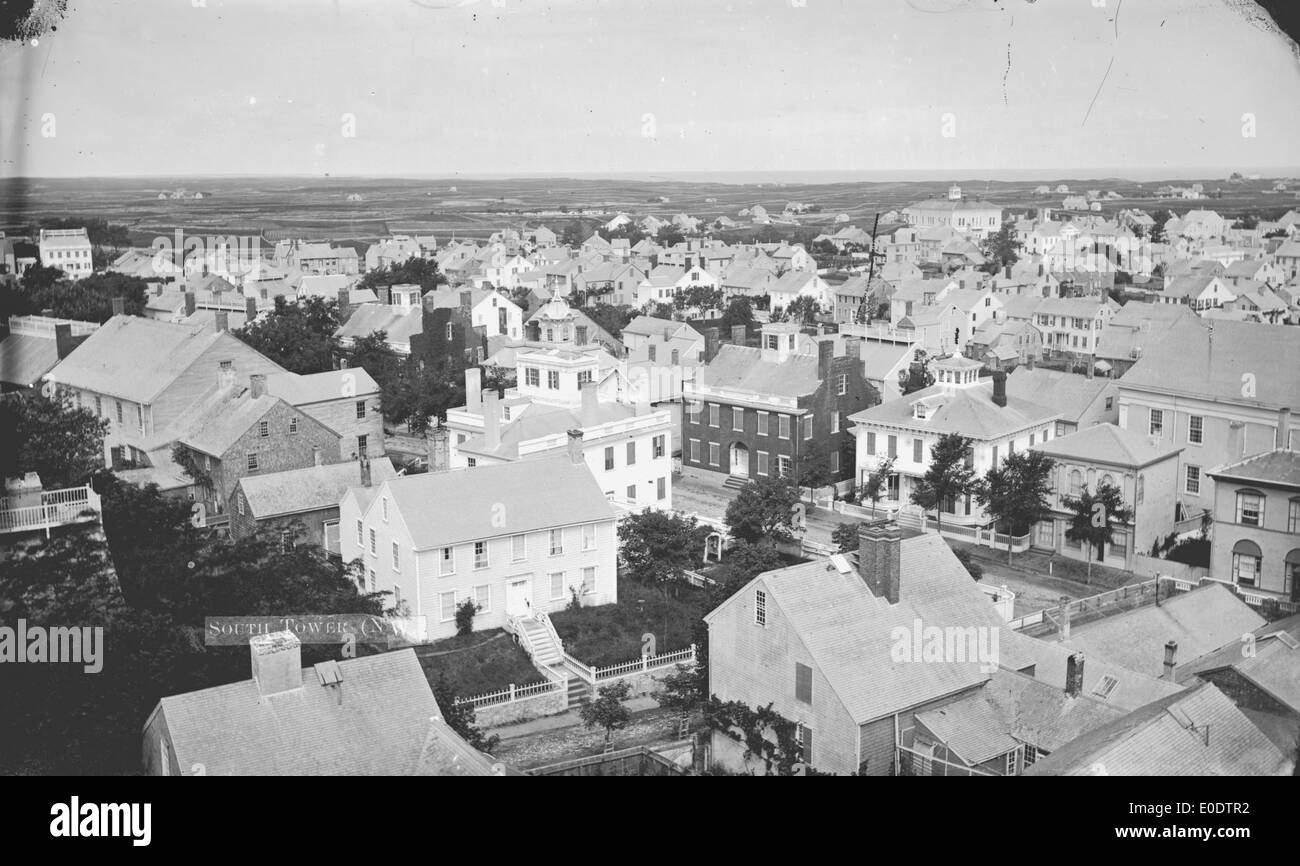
{"x": 539, "y": 642}
{"x": 735, "y": 482}
{"x": 579, "y": 692}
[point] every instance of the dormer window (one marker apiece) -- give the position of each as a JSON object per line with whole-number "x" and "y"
{"x": 921, "y": 411}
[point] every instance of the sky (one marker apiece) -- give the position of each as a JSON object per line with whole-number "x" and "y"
{"x": 447, "y": 87}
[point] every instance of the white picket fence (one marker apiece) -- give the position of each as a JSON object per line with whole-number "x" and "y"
{"x": 513, "y": 693}
{"x": 645, "y": 663}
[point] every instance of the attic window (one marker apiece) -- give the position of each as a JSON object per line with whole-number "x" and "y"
{"x": 921, "y": 410}
{"x": 1105, "y": 686}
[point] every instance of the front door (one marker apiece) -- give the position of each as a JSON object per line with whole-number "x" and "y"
{"x": 740, "y": 460}
{"x": 519, "y": 597}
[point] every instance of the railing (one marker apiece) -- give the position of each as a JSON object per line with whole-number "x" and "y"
{"x": 583, "y": 671}
{"x": 513, "y": 693}
{"x": 56, "y": 508}
{"x": 43, "y": 326}
{"x": 645, "y": 663}
{"x": 909, "y": 762}
{"x": 1091, "y": 604}
{"x": 644, "y": 755}
{"x": 1252, "y": 597}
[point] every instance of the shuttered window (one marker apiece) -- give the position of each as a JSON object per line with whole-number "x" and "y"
{"x": 803, "y": 683}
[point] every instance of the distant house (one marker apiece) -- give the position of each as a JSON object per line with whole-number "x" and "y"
{"x": 303, "y": 504}
{"x": 492, "y": 535}
{"x": 1256, "y": 541}
{"x": 68, "y": 250}
{"x": 369, "y": 716}
{"x": 1083, "y": 401}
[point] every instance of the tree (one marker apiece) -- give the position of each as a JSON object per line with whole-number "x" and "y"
{"x": 751, "y": 728}
{"x": 612, "y": 318}
{"x": 681, "y": 692}
{"x": 845, "y": 537}
{"x": 465, "y": 612}
{"x": 1015, "y": 493}
{"x": 949, "y": 475}
{"x": 742, "y": 563}
{"x": 877, "y": 482}
{"x": 814, "y": 469}
{"x": 973, "y": 567}
{"x": 700, "y": 298}
{"x": 575, "y": 232}
{"x": 39, "y": 278}
{"x": 461, "y": 717}
{"x": 414, "y": 271}
{"x": 657, "y": 548}
{"x": 297, "y": 335}
{"x": 607, "y": 710}
{"x": 90, "y": 299}
{"x": 917, "y": 375}
{"x": 1095, "y": 516}
{"x": 150, "y": 535}
{"x": 47, "y": 435}
{"x": 1001, "y": 248}
{"x": 764, "y": 511}
{"x": 669, "y": 235}
{"x": 739, "y": 312}
{"x": 803, "y": 310}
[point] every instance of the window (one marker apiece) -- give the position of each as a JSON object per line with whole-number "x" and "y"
{"x": 373, "y": 583}
{"x": 835, "y": 462}
{"x": 99, "y": 406}
{"x": 871, "y": 444}
{"x": 835, "y": 422}
{"x": 1192, "y": 483}
{"x": 518, "y": 548}
{"x": 762, "y": 424}
{"x": 694, "y": 451}
{"x": 293, "y": 425}
{"x": 139, "y": 418}
{"x": 1031, "y": 755}
{"x": 760, "y": 608}
{"x": 657, "y": 446}
{"x": 893, "y": 445}
{"x": 714, "y": 413}
{"x": 762, "y": 463}
{"x": 447, "y": 606}
{"x": 918, "y": 451}
{"x": 631, "y": 453}
{"x": 737, "y": 418}
{"x": 119, "y": 411}
{"x": 1110, "y": 403}
{"x": 557, "y": 584}
{"x": 588, "y": 580}
{"x": 361, "y": 409}
{"x": 1250, "y": 508}
{"x": 361, "y": 534}
{"x": 693, "y": 410}
{"x": 1157, "y": 427}
{"x": 1195, "y": 429}
{"x": 480, "y": 554}
{"x": 589, "y": 536}
{"x": 1011, "y": 762}
{"x": 557, "y": 542}
{"x": 808, "y": 427}
{"x": 1293, "y": 516}
{"x": 1141, "y": 488}
{"x": 447, "y": 562}
{"x": 362, "y": 444}
{"x": 264, "y": 429}
{"x": 1246, "y": 561}
{"x": 609, "y": 457}
{"x": 397, "y": 562}
{"x": 531, "y": 377}
{"x": 483, "y": 597}
{"x": 783, "y": 426}
{"x": 802, "y": 683}
{"x": 239, "y": 502}
{"x": 252, "y": 463}
{"x": 471, "y": 462}
{"x": 661, "y": 487}
{"x": 384, "y": 507}
{"x": 842, "y": 384}
{"x": 1076, "y": 482}
{"x": 553, "y": 380}
{"x": 782, "y": 465}
{"x": 584, "y": 376}
{"x": 715, "y": 454}
{"x": 450, "y": 332}
{"x": 631, "y": 493}
{"x": 374, "y": 550}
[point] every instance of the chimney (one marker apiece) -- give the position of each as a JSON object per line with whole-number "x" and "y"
{"x": 710, "y": 344}
{"x": 853, "y": 348}
{"x": 191, "y": 304}
{"x": 1091, "y": 365}
{"x": 63, "y": 342}
{"x": 1000, "y": 388}
{"x": 1074, "y": 675}
{"x": 1171, "y": 653}
{"x": 738, "y": 334}
{"x": 364, "y": 463}
{"x": 250, "y": 309}
{"x": 473, "y": 389}
{"x": 317, "y": 458}
{"x": 119, "y": 306}
{"x": 575, "y": 447}
{"x": 438, "y": 440}
{"x": 1065, "y": 617}
{"x": 222, "y": 319}
{"x": 257, "y": 384}
{"x": 277, "y": 663}
{"x": 1008, "y": 271}
{"x": 825, "y": 352}
{"x": 466, "y": 304}
{"x": 1283, "y": 427}
{"x": 491, "y": 420}
{"x": 878, "y": 557}
{"x": 385, "y": 294}
{"x": 590, "y": 404}
{"x": 344, "y": 299}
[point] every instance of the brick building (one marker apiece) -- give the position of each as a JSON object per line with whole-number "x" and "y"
{"x": 757, "y": 412}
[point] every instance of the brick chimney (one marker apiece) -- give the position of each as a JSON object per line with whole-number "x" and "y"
{"x": 710, "y": 344}
{"x": 590, "y": 404}
{"x": 1074, "y": 675}
{"x": 853, "y": 348}
{"x": 738, "y": 334}
{"x": 473, "y": 389}
{"x": 437, "y": 443}
{"x": 119, "y": 306}
{"x": 385, "y": 295}
{"x": 491, "y": 420}
{"x": 879, "y": 543}
{"x": 1000, "y": 388}
{"x": 191, "y": 303}
{"x": 1008, "y": 272}
{"x": 1171, "y": 653}
{"x": 575, "y": 447}
{"x": 364, "y": 463}
{"x": 257, "y": 384}
{"x": 825, "y": 353}
{"x": 222, "y": 319}
{"x": 277, "y": 663}
{"x": 250, "y": 309}
{"x": 345, "y": 299}
{"x": 63, "y": 341}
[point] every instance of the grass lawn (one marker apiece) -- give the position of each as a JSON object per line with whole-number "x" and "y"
{"x": 483, "y": 661}
{"x": 611, "y": 633}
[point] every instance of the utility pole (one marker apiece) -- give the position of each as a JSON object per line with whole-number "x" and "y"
{"x": 864, "y": 311}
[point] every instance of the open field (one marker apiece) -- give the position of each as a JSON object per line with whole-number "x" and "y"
{"x": 318, "y": 208}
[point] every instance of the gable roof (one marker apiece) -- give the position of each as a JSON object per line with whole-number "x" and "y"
{"x": 1107, "y": 444}
{"x": 381, "y": 725}
{"x": 1068, "y": 393}
{"x": 1280, "y": 468}
{"x": 969, "y": 411}
{"x": 745, "y": 368}
{"x": 446, "y": 508}
{"x": 308, "y": 489}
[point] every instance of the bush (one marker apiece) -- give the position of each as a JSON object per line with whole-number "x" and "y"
{"x": 465, "y": 616}
{"x": 972, "y": 564}
{"x": 1191, "y": 551}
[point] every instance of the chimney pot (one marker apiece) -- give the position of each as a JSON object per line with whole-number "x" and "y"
{"x": 710, "y": 344}
{"x": 277, "y": 663}
{"x": 344, "y": 300}
{"x": 63, "y": 342}
{"x": 1171, "y": 654}
{"x": 250, "y": 310}
{"x": 1000, "y": 388}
